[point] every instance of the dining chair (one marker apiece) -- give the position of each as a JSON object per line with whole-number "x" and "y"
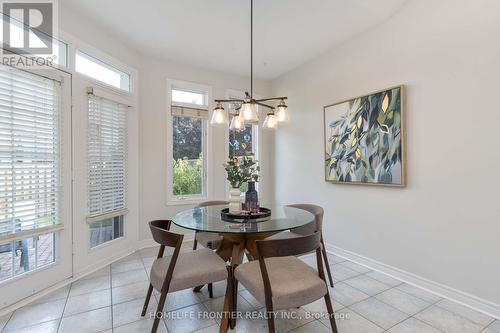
{"x": 316, "y": 225}
{"x": 209, "y": 240}
{"x": 180, "y": 270}
{"x": 280, "y": 280}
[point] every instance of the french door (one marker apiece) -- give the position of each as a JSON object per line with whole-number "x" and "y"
{"x": 35, "y": 181}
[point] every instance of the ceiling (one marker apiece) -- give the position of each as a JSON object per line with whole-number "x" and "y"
{"x": 215, "y": 34}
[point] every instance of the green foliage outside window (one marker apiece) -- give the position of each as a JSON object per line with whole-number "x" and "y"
{"x": 188, "y": 175}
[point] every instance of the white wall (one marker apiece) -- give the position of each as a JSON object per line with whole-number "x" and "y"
{"x": 445, "y": 225}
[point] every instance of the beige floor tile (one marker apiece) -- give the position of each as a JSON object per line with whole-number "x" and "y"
{"x": 4, "y": 319}
{"x": 219, "y": 289}
{"x": 87, "y": 322}
{"x": 319, "y": 306}
{"x": 61, "y": 293}
{"x": 250, "y": 299}
{"x": 141, "y": 326}
{"x": 210, "y": 329}
{"x": 188, "y": 319}
{"x": 128, "y": 265}
{"x": 128, "y": 312}
{"x": 385, "y": 279}
{"x": 34, "y": 314}
{"x": 256, "y": 323}
{"x": 495, "y": 326}
{"x": 447, "y": 321}
{"x": 129, "y": 292}
{"x": 356, "y": 267}
{"x": 217, "y": 305}
{"x": 402, "y": 301}
{"x": 334, "y": 259}
{"x": 314, "y": 326}
{"x": 105, "y": 271}
{"x": 367, "y": 285}
{"x": 90, "y": 285}
{"x": 381, "y": 314}
{"x": 413, "y": 325}
{"x": 181, "y": 299}
{"x": 420, "y": 293}
{"x": 87, "y": 302}
{"x": 347, "y": 295}
{"x": 475, "y": 316}
{"x": 351, "y": 322}
{"x": 47, "y": 327}
{"x": 287, "y": 320}
{"x": 341, "y": 272}
{"x": 488, "y": 330}
{"x": 124, "y": 278}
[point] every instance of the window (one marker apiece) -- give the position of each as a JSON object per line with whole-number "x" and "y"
{"x": 98, "y": 70}
{"x": 107, "y": 168}
{"x": 29, "y": 170}
{"x": 189, "y": 114}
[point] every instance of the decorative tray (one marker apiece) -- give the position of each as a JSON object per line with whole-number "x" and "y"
{"x": 264, "y": 214}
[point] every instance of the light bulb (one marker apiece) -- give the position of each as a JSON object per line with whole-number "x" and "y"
{"x": 248, "y": 112}
{"x": 282, "y": 112}
{"x": 237, "y": 123}
{"x": 219, "y": 116}
{"x": 270, "y": 122}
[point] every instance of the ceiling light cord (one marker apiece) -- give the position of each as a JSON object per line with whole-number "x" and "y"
{"x": 251, "y": 49}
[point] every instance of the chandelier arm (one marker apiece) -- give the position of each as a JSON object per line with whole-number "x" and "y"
{"x": 264, "y": 105}
{"x": 228, "y": 100}
{"x": 271, "y": 99}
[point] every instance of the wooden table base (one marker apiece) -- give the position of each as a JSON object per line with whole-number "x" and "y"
{"x": 233, "y": 248}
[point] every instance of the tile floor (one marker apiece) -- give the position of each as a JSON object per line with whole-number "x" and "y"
{"x": 111, "y": 299}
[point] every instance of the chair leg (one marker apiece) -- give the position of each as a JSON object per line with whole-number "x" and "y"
{"x": 159, "y": 311}
{"x": 146, "y": 302}
{"x": 331, "y": 314}
{"x": 235, "y": 301}
{"x": 195, "y": 243}
{"x": 325, "y": 258}
{"x": 210, "y": 290}
{"x": 270, "y": 320}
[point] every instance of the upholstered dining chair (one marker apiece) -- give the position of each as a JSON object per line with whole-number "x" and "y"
{"x": 180, "y": 270}
{"x": 308, "y": 229}
{"x": 280, "y": 280}
{"x": 209, "y": 240}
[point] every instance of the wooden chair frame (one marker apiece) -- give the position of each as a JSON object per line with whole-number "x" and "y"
{"x": 285, "y": 248}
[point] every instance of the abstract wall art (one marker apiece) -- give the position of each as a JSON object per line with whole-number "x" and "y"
{"x": 364, "y": 139}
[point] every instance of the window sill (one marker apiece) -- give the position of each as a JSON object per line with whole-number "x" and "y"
{"x": 187, "y": 201}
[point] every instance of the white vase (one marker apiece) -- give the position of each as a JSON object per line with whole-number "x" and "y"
{"x": 234, "y": 200}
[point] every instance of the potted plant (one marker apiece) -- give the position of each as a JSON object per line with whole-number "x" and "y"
{"x": 239, "y": 171}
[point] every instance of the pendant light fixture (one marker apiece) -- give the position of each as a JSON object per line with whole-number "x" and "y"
{"x": 248, "y": 111}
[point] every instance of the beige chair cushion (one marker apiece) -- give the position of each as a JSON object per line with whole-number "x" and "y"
{"x": 192, "y": 269}
{"x": 210, "y": 240}
{"x": 293, "y": 283}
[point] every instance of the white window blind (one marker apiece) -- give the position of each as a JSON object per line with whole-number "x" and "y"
{"x": 29, "y": 152}
{"x": 107, "y": 158}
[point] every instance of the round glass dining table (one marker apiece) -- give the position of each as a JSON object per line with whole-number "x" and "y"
{"x": 240, "y": 237}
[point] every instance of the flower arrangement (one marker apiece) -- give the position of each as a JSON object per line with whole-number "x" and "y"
{"x": 241, "y": 170}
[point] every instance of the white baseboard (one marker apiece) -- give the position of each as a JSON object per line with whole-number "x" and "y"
{"x": 471, "y": 301}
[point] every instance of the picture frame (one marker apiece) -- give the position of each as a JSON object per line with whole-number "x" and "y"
{"x": 364, "y": 139}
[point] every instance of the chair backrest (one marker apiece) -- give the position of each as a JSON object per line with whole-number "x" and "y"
{"x": 284, "y": 248}
{"x": 160, "y": 229}
{"x": 162, "y": 235}
{"x": 288, "y": 246}
{"x": 309, "y": 228}
{"x": 212, "y": 203}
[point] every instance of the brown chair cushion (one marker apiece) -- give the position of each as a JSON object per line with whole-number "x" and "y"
{"x": 293, "y": 283}
{"x": 192, "y": 269}
{"x": 210, "y": 240}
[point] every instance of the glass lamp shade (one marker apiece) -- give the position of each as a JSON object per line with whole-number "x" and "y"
{"x": 248, "y": 112}
{"x": 282, "y": 112}
{"x": 270, "y": 122}
{"x": 237, "y": 123}
{"x": 219, "y": 117}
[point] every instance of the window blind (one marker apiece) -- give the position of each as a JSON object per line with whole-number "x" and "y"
{"x": 106, "y": 158}
{"x": 29, "y": 151}
{"x": 184, "y": 111}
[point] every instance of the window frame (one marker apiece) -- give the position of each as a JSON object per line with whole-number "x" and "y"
{"x": 171, "y": 199}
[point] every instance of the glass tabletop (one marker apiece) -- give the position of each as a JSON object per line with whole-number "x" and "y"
{"x": 208, "y": 219}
